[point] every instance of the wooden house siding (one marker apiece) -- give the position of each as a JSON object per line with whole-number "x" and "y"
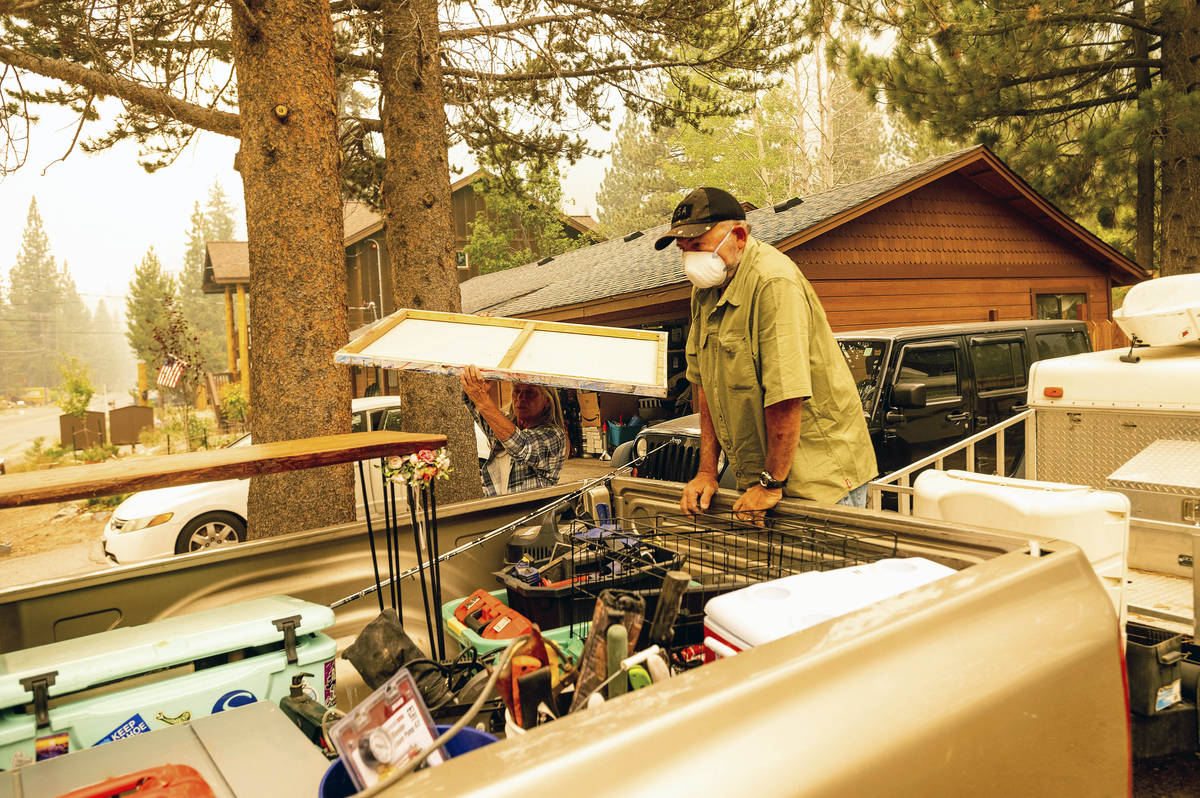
{"x": 946, "y": 252}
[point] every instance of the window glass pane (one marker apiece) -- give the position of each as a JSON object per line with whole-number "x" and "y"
{"x": 1061, "y": 306}
{"x": 1059, "y": 344}
{"x": 865, "y": 359}
{"x": 998, "y": 365}
{"x": 391, "y": 421}
{"x": 936, "y": 367}
{"x": 358, "y": 422}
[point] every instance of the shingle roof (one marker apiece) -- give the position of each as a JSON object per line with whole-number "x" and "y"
{"x": 620, "y": 266}
{"x": 225, "y": 263}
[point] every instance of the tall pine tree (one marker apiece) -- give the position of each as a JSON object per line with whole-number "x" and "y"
{"x": 205, "y": 312}
{"x": 1085, "y": 98}
{"x": 145, "y": 307}
{"x": 40, "y": 302}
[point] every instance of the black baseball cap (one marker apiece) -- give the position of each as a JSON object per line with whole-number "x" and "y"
{"x": 699, "y": 212}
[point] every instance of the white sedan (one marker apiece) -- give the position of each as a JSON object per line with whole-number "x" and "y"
{"x": 187, "y": 518}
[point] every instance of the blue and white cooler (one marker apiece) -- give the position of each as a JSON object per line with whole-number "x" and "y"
{"x": 79, "y": 693}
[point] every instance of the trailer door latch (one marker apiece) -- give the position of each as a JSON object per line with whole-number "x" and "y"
{"x": 40, "y": 687}
{"x": 288, "y": 627}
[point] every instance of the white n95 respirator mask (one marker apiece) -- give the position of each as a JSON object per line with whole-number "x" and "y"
{"x": 705, "y": 269}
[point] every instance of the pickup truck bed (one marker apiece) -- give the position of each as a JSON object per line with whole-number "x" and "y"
{"x": 1004, "y": 679}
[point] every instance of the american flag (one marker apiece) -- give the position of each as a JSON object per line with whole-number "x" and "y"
{"x": 171, "y": 371}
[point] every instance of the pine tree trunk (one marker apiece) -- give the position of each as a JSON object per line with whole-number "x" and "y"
{"x": 1181, "y": 142}
{"x": 289, "y": 166}
{"x": 416, "y": 204}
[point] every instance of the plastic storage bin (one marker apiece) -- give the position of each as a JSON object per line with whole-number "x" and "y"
{"x": 337, "y": 784}
{"x": 1152, "y": 659}
{"x": 768, "y": 611}
{"x": 569, "y": 638}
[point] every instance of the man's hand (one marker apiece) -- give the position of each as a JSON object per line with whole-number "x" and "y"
{"x": 752, "y": 506}
{"x": 698, "y": 493}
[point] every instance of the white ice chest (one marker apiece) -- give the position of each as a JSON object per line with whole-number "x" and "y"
{"x": 771, "y": 610}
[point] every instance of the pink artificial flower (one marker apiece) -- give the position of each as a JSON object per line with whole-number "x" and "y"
{"x": 425, "y": 456}
{"x": 394, "y": 462}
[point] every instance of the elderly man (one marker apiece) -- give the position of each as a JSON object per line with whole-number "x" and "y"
{"x": 770, "y": 383}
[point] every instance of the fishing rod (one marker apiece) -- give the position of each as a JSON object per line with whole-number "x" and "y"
{"x": 501, "y": 530}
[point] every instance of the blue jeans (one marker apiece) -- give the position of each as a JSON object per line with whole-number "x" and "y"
{"x": 856, "y": 497}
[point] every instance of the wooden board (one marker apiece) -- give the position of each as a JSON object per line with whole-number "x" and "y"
{"x": 608, "y": 359}
{"x": 105, "y": 479}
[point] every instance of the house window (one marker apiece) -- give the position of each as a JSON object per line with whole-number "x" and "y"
{"x": 1062, "y": 306}
{"x": 460, "y": 259}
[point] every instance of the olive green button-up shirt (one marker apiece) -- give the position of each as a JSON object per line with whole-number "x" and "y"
{"x": 764, "y": 340}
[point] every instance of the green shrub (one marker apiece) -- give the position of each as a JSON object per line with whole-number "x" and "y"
{"x": 235, "y": 405}
{"x": 98, "y": 453}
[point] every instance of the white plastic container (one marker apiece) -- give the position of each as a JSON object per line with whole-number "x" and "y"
{"x": 1095, "y": 520}
{"x": 1163, "y": 311}
{"x": 768, "y": 611}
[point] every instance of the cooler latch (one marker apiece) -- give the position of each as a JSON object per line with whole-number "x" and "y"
{"x": 288, "y": 627}
{"x": 40, "y": 687}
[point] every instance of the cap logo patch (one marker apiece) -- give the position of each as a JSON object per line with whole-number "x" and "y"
{"x": 682, "y": 211}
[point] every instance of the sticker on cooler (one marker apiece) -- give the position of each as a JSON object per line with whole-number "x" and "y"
{"x": 234, "y": 698}
{"x": 330, "y": 684}
{"x": 135, "y": 725}
{"x": 1168, "y": 696}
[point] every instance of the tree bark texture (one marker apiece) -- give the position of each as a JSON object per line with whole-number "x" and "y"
{"x": 416, "y": 204}
{"x": 289, "y": 166}
{"x": 1181, "y": 143}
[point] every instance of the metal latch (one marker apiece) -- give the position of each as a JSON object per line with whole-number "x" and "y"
{"x": 40, "y": 687}
{"x": 1191, "y": 511}
{"x": 288, "y": 627}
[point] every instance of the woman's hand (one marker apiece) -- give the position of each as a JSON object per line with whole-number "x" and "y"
{"x": 476, "y": 388}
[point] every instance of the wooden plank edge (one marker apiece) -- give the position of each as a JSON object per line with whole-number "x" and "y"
{"x": 542, "y": 326}
{"x": 70, "y": 487}
{"x": 384, "y": 327}
{"x": 517, "y": 345}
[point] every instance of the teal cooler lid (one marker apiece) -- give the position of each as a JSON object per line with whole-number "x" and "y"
{"x": 120, "y": 653}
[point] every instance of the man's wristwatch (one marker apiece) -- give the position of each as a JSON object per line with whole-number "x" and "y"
{"x": 769, "y": 482}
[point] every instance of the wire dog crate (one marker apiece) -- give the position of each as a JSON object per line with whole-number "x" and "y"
{"x": 719, "y": 552}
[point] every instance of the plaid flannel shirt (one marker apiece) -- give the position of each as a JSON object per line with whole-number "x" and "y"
{"x": 537, "y": 455}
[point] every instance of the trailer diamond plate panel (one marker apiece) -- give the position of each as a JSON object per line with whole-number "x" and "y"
{"x": 1165, "y": 466}
{"x": 1082, "y": 447}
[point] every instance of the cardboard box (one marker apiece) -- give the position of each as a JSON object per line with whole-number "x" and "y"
{"x": 589, "y": 408}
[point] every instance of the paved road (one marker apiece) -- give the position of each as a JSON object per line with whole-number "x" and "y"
{"x": 19, "y": 426}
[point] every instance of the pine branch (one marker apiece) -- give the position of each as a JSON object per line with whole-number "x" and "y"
{"x": 1052, "y": 19}
{"x": 342, "y": 6}
{"x": 78, "y": 129}
{"x": 1058, "y": 109}
{"x": 512, "y": 77}
{"x": 101, "y": 84}
{"x": 1083, "y": 69}
{"x": 240, "y": 9}
{"x": 520, "y": 24}
{"x": 365, "y": 61}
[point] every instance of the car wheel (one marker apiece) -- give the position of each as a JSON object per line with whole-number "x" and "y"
{"x": 210, "y": 530}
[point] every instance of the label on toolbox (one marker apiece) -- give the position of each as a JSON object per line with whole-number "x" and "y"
{"x": 1168, "y": 696}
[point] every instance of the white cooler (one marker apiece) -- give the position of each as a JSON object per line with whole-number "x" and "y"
{"x": 761, "y": 613}
{"x": 1096, "y": 521}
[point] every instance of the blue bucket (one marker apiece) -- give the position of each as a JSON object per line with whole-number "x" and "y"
{"x": 336, "y": 782}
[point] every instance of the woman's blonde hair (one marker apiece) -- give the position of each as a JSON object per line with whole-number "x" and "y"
{"x": 553, "y": 414}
